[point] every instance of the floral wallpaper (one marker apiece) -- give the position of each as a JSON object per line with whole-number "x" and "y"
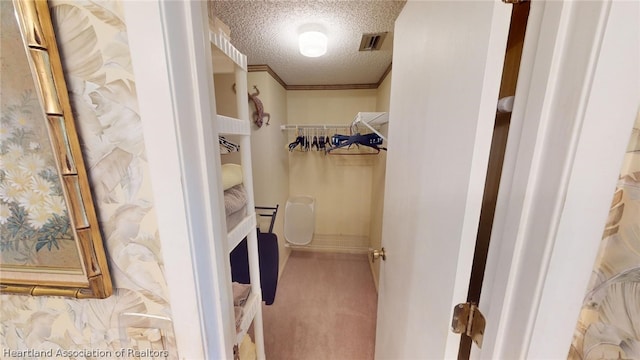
{"x": 93, "y": 44}
{"x": 609, "y": 323}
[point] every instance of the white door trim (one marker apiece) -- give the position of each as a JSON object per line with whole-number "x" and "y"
{"x": 171, "y": 56}
{"x": 563, "y": 158}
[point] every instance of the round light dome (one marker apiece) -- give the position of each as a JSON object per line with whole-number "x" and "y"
{"x": 313, "y": 43}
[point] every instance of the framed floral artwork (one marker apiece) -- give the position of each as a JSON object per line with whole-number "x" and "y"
{"x": 50, "y": 240}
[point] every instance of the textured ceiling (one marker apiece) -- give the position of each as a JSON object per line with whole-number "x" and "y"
{"x": 266, "y": 31}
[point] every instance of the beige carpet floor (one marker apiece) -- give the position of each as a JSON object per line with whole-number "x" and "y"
{"x": 325, "y": 308}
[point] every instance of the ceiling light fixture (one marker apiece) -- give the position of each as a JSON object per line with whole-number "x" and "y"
{"x": 312, "y": 43}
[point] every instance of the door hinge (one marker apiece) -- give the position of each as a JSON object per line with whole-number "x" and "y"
{"x": 469, "y": 321}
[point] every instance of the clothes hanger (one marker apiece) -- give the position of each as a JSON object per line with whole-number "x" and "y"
{"x": 368, "y": 140}
{"x": 227, "y": 146}
{"x": 321, "y": 142}
{"x": 315, "y": 141}
{"x": 299, "y": 141}
{"x": 307, "y": 143}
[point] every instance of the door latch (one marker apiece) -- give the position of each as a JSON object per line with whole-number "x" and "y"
{"x": 376, "y": 254}
{"x": 468, "y": 320}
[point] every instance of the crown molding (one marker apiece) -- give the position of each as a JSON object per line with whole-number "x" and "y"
{"x": 265, "y": 67}
{"x": 269, "y": 70}
{"x": 384, "y": 75}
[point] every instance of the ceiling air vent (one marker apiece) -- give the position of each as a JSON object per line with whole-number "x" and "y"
{"x": 371, "y": 42}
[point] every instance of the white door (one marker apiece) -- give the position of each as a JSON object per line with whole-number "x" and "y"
{"x": 447, "y": 65}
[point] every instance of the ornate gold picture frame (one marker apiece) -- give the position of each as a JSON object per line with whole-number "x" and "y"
{"x": 50, "y": 241}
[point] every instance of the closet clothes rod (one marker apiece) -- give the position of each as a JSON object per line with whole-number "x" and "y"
{"x": 314, "y": 127}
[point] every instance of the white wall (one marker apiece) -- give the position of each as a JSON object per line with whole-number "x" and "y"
{"x": 341, "y": 184}
{"x": 269, "y": 159}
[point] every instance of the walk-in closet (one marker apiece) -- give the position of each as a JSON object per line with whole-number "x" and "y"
{"x": 318, "y": 155}
{"x": 329, "y": 201}
{"x": 379, "y": 193}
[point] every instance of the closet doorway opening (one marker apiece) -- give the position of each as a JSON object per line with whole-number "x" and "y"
{"x": 295, "y": 189}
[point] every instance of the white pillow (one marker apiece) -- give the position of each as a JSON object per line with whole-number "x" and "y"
{"x": 231, "y": 175}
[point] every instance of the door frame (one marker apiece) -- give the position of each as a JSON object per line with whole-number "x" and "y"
{"x": 537, "y": 200}
{"x": 170, "y": 50}
{"x": 563, "y": 158}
